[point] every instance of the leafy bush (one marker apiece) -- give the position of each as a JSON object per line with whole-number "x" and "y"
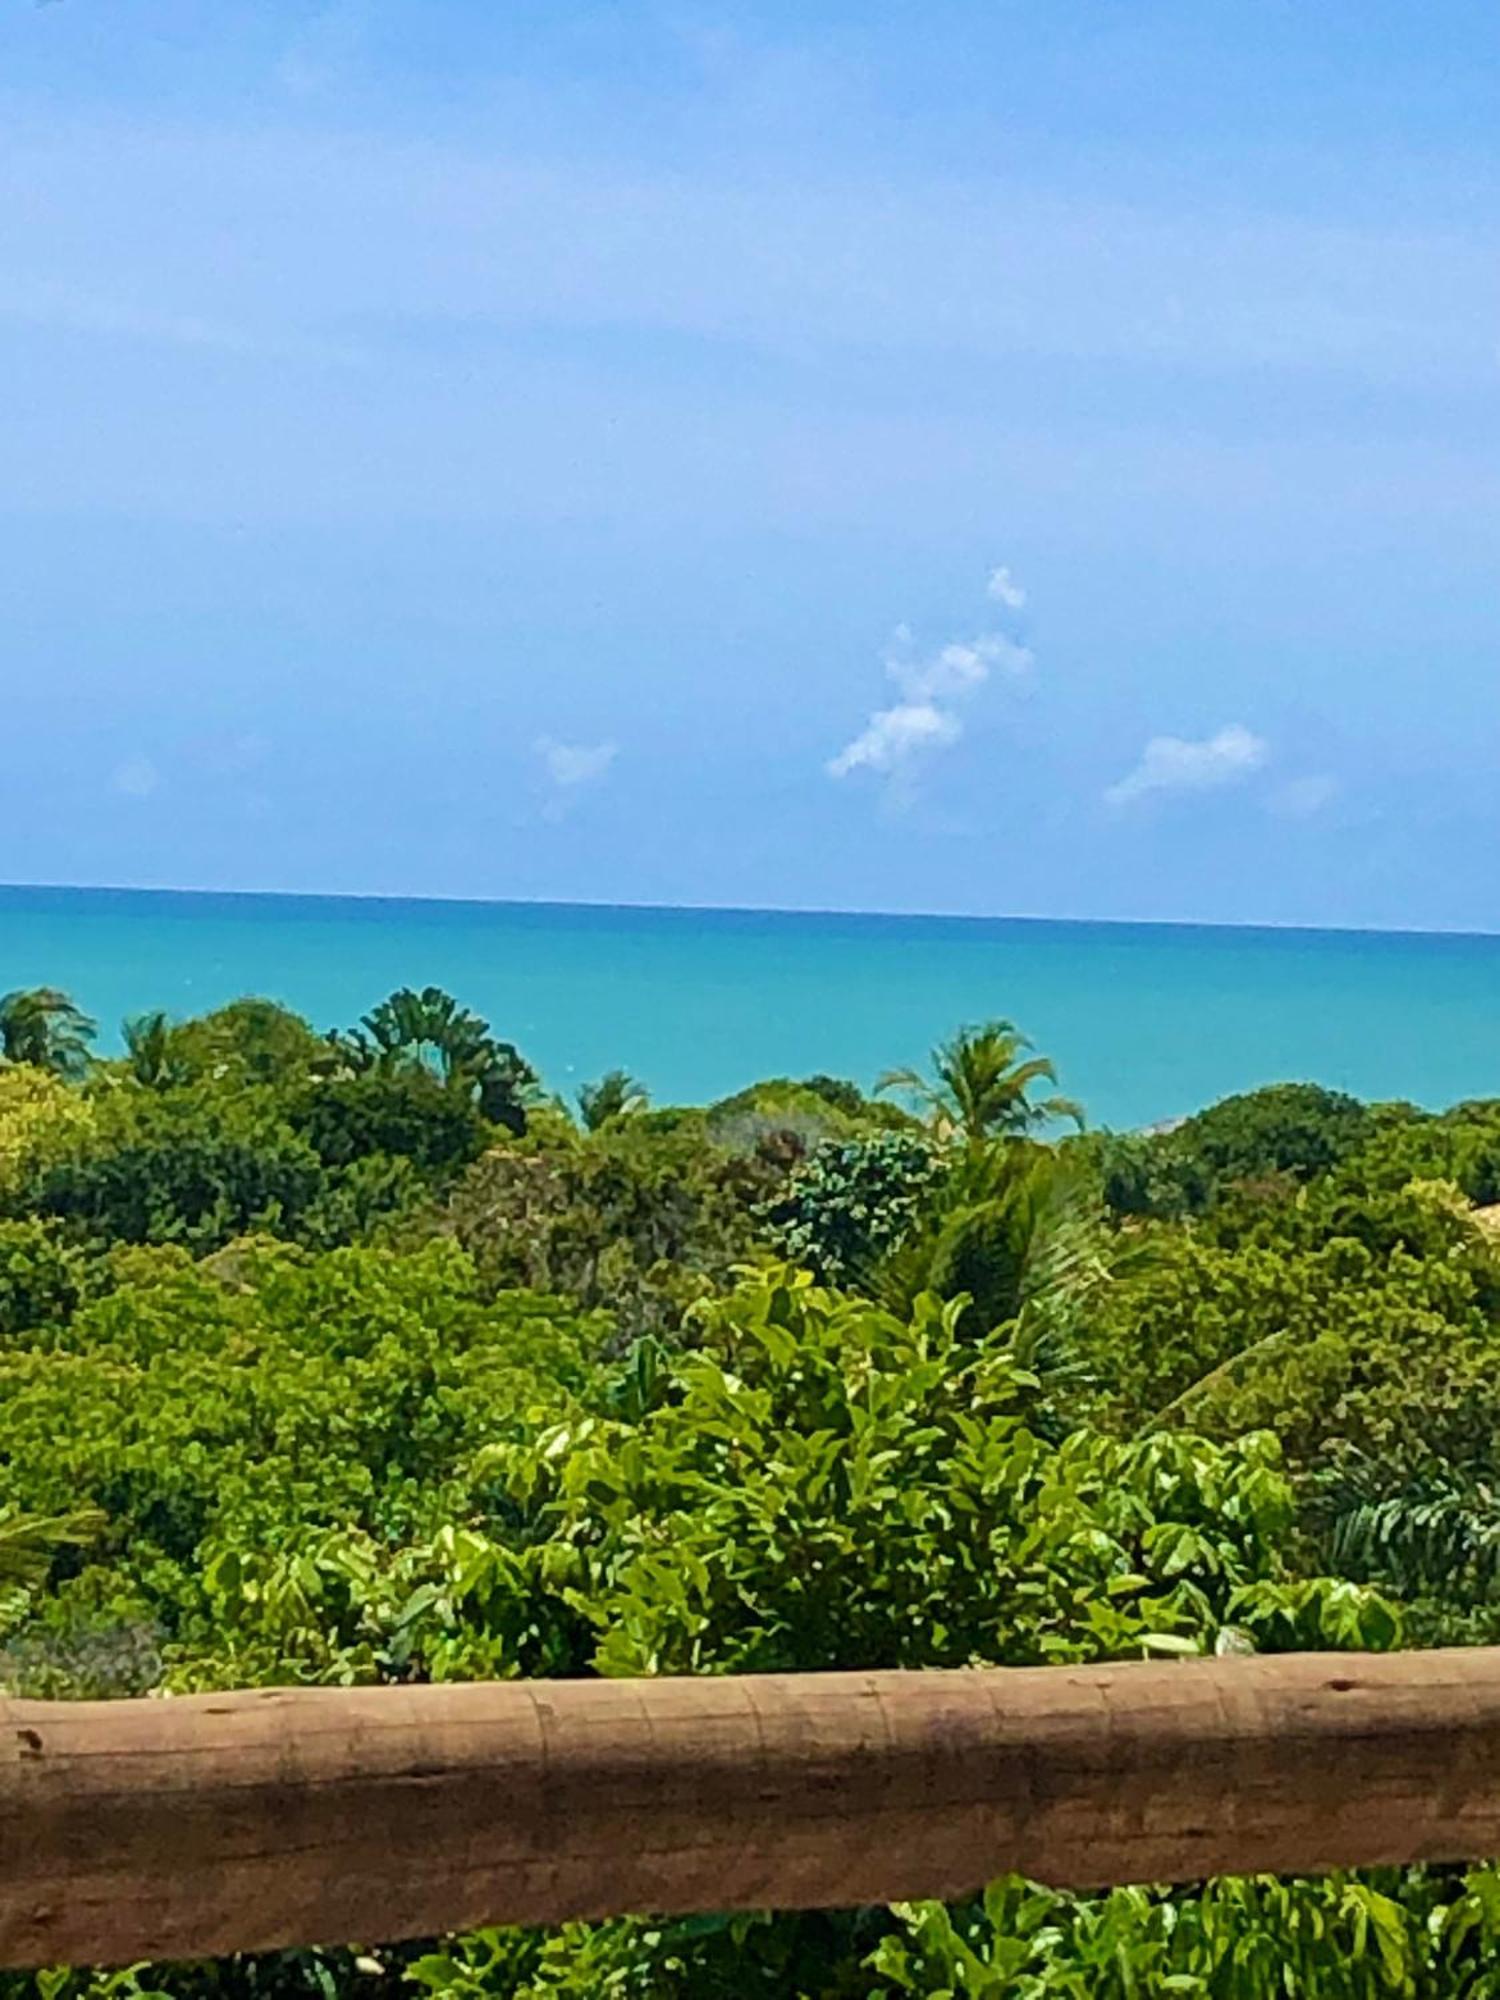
{"x": 42, "y": 1120}
{"x": 1142, "y": 1173}
{"x": 637, "y": 1219}
{"x": 407, "y": 1114}
{"x": 251, "y": 1401}
{"x": 794, "y": 1119}
{"x": 822, "y": 1484}
{"x": 851, "y": 1202}
{"x": 250, "y": 1041}
{"x": 1461, "y": 1146}
{"x": 1337, "y": 1937}
{"x": 190, "y": 1165}
{"x": 1287, "y": 1132}
{"x": 39, "y": 1279}
{"x": 1355, "y": 1359}
{"x": 1288, "y": 1128}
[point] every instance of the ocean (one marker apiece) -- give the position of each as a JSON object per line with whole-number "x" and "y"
{"x": 1145, "y": 1021}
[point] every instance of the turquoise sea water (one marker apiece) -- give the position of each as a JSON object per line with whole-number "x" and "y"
{"x": 1145, "y": 1021}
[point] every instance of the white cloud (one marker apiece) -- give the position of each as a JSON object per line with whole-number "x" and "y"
{"x": 955, "y": 668}
{"x": 1176, "y": 764}
{"x": 1302, "y": 797}
{"x": 892, "y": 735}
{"x": 931, "y": 684}
{"x": 569, "y": 765}
{"x": 137, "y": 778}
{"x": 1004, "y": 589}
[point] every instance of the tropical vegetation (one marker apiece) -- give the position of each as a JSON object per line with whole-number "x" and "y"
{"x": 356, "y": 1356}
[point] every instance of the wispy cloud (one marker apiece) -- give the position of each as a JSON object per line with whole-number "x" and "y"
{"x": 569, "y": 768}
{"x": 955, "y": 668}
{"x": 1004, "y": 589}
{"x": 931, "y": 684}
{"x": 1088, "y": 276}
{"x": 1177, "y": 764}
{"x": 569, "y": 765}
{"x": 894, "y": 735}
{"x": 1302, "y": 797}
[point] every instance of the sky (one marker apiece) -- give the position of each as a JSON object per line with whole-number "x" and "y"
{"x": 1013, "y": 457}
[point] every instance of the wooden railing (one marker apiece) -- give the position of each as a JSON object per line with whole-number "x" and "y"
{"x": 240, "y": 1822}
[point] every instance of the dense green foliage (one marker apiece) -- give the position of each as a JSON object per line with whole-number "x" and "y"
{"x": 851, "y": 1201}
{"x": 353, "y": 1357}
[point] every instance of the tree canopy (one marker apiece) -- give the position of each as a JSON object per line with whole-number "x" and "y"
{"x": 353, "y": 1358}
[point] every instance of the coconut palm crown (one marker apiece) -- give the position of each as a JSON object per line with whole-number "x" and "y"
{"x": 980, "y": 1087}
{"x": 41, "y": 1026}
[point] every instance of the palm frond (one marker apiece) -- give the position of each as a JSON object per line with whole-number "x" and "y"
{"x": 980, "y": 1086}
{"x": 28, "y": 1542}
{"x": 1438, "y": 1532}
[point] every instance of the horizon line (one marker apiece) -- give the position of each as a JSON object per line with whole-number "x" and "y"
{"x": 602, "y": 906}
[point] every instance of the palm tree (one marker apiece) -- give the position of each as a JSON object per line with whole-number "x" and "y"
{"x": 615, "y": 1095}
{"x": 148, "y": 1049}
{"x": 347, "y": 1052}
{"x": 1018, "y": 1230}
{"x": 980, "y": 1087}
{"x": 41, "y": 1026}
{"x": 431, "y": 1028}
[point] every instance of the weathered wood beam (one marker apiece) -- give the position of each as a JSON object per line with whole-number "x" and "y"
{"x": 241, "y": 1822}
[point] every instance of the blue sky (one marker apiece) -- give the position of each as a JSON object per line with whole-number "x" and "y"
{"x": 1010, "y": 458}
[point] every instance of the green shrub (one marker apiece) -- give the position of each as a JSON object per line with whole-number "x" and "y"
{"x": 851, "y": 1202}
{"x": 407, "y": 1114}
{"x": 266, "y": 1395}
{"x": 194, "y": 1165}
{"x": 40, "y": 1280}
{"x": 250, "y": 1041}
{"x": 1287, "y": 1128}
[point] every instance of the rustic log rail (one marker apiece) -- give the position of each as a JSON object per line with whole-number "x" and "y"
{"x": 242, "y": 1822}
